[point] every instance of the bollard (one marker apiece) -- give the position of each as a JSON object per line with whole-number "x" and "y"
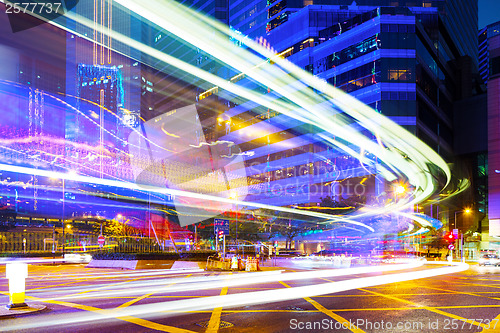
{"x": 17, "y": 274}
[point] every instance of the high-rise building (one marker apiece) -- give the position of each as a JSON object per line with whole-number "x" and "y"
{"x": 459, "y": 17}
{"x": 33, "y": 70}
{"x": 409, "y": 60}
{"x": 173, "y": 87}
{"x": 493, "y": 35}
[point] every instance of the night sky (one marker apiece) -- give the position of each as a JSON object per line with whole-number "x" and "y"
{"x": 489, "y": 12}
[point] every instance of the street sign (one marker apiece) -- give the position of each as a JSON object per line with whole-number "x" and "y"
{"x": 221, "y": 225}
{"x": 451, "y": 247}
{"x": 455, "y": 233}
{"x": 101, "y": 240}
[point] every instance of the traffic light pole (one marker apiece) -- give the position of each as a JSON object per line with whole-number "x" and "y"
{"x": 216, "y": 240}
{"x": 461, "y": 247}
{"x": 224, "y": 246}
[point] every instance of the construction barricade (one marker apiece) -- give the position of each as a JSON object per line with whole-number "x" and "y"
{"x": 252, "y": 264}
{"x": 218, "y": 264}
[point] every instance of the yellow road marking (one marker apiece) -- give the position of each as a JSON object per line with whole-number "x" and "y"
{"x": 133, "y": 320}
{"x": 330, "y": 313}
{"x": 340, "y": 296}
{"x": 103, "y": 287}
{"x": 214, "y": 323}
{"x": 51, "y": 286}
{"x": 419, "y": 306}
{"x": 462, "y": 293}
{"x": 135, "y": 300}
{"x": 478, "y": 284}
{"x": 338, "y": 310}
{"x": 492, "y": 328}
{"x": 154, "y": 326}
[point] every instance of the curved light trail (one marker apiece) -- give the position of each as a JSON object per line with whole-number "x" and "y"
{"x": 162, "y": 309}
{"x": 296, "y": 94}
{"x": 306, "y": 105}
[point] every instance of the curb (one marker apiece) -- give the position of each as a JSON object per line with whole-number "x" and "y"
{"x": 31, "y": 308}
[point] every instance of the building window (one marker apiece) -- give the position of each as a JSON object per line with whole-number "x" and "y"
{"x": 494, "y": 66}
{"x": 400, "y": 75}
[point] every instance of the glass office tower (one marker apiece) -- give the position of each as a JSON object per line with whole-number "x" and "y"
{"x": 401, "y": 61}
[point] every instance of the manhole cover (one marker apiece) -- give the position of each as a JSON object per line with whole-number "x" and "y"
{"x": 222, "y": 324}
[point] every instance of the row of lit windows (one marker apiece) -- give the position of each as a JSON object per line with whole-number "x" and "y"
{"x": 359, "y": 83}
{"x": 341, "y": 27}
{"x": 276, "y": 9}
{"x": 277, "y": 21}
{"x": 349, "y": 53}
{"x": 356, "y": 73}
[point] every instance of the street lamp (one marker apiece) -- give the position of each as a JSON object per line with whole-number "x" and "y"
{"x": 400, "y": 189}
{"x": 465, "y": 211}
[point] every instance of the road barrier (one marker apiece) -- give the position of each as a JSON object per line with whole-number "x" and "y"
{"x": 233, "y": 264}
{"x": 252, "y": 264}
{"x": 215, "y": 263}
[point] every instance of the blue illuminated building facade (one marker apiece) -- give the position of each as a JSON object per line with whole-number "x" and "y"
{"x": 409, "y": 60}
{"x": 409, "y": 63}
{"x": 256, "y": 17}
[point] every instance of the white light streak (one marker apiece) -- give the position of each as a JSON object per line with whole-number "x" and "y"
{"x": 160, "y": 309}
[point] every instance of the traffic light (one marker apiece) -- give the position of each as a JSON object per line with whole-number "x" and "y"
{"x": 221, "y": 235}
{"x": 450, "y": 238}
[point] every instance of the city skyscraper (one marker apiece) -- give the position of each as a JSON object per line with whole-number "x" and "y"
{"x": 459, "y": 17}
{"x": 409, "y": 60}
{"x": 493, "y": 35}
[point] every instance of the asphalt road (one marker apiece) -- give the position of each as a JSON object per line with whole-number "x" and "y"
{"x": 104, "y": 300}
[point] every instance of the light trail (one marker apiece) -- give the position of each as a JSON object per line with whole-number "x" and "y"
{"x": 145, "y": 287}
{"x": 145, "y": 273}
{"x": 307, "y": 105}
{"x": 162, "y": 309}
{"x": 180, "y": 193}
{"x": 297, "y": 94}
{"x": 215, "y": 282}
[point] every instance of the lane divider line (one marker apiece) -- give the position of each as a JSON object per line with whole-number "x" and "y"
{"x": 214, "y": 323}
{"x": 330, "y": 313}
{"x": 419, "y": 306}
{"x": 137, "y": 299}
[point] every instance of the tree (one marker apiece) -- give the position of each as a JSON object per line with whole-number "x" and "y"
{"x": 116, "y": 228}
{"x": 288, "y": 227}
